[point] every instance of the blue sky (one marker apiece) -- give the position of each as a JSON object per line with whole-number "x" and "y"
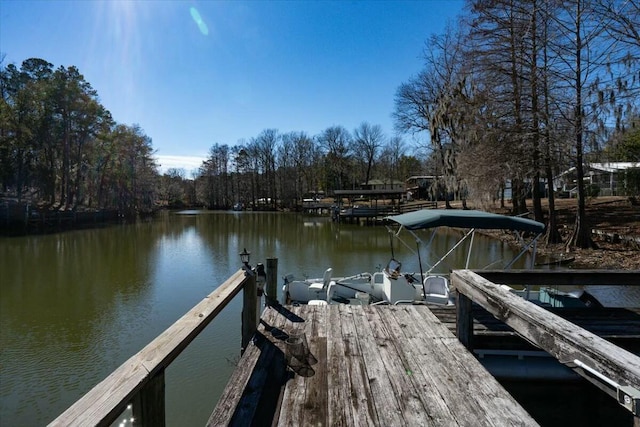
{"x": 196, "y": 73}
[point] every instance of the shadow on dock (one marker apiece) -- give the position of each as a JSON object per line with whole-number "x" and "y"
{"x": 261, "y": 396}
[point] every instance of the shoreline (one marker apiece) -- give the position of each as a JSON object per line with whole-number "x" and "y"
{"x": 615, "y": 225}
{"x": 608, "y": 256}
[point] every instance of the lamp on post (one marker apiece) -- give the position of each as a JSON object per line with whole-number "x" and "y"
{"x": 244, "y": 257}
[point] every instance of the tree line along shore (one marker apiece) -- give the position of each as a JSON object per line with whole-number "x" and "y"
{"x": 507, "y": 99}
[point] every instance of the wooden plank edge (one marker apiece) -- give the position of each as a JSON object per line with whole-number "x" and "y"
{"x": 560, "y": 338}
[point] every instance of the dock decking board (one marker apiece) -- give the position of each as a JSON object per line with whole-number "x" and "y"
{"x": 379, "y": 365}
{"x": 384, "y": 353}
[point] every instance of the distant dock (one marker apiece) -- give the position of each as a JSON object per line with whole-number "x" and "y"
{"x": 18, "y": 218}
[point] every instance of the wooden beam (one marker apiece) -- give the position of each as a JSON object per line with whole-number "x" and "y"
{"x": 562, "y": 277}
{"x": 464, "y": 320}
{"x": 558, "y": 337}
{"x": 249, "y": 309}
{"x": 272, "y": 278}
{"x": 107, "y": 400}
{"x": 148, "y": 406}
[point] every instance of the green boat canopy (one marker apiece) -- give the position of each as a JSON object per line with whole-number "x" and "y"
{"x": 430, "y": 218}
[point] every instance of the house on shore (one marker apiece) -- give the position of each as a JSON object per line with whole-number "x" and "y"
{"x": 608, "y": 177}
{"x": 383, "y": 184}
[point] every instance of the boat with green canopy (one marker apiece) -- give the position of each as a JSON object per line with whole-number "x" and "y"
{"x": 527, "y": 231}
{"x": 394, "y": 286}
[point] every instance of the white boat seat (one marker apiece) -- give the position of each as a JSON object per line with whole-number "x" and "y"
{"x": 326, "y": 278}
{"x": 435, "y": 285}
{"x": 330, "y": 290}
{"x": 436, "y": 289}
{"x": 398, "y": 290}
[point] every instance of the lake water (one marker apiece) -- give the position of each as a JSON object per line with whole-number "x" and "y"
{"x": 76, "y": 305}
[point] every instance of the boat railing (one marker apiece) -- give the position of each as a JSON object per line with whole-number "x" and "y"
{"x": 140, "y": 381}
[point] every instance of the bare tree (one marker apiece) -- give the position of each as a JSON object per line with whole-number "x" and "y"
{"x": 552, "y": 232}
{"x": 390, "y": 159}
{"x": 502, "y": 32}
{"x": 216, "y": 188}
{"x": 244, "y": 167}
{"x": 266, "y": 144}
{"x": 368, "y": 141}
{"x": 298, "y": 164}
{"x": 625, "y": 16}
{"x": 592, "y": 67}
{"x": 435, "y": 102}
{"x": 336, "y": 142}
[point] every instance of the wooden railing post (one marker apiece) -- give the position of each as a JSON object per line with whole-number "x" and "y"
{"x": 272, "y": 278}
{"x": 464, "y": 320}
{"x": 249, "y": 309}
{"x": 148, "y": 405}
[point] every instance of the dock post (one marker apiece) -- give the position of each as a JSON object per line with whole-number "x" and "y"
{"x": 148, "y": 405}
{"x": 249, "y": 309}
{"x": 464, "y": 320}
{"x": 272, "y": 278}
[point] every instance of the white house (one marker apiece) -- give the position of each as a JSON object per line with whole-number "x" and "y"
{"x": 604, "y": 175}
{"x": 382, "y": 184}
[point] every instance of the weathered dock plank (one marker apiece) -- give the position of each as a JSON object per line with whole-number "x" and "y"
{"x": 384, "y": 365}
{"x": 413, "y": 378}
{"x": 381, "y": 358}
{"x": 439, "y": 361}
{"x": 317, "y": 397}
{"x": 303, "y": 395}
{"x": 342, "y": 414}
{"x": 362, "y": 402}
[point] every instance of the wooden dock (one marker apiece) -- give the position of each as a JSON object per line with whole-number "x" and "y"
{"x": 19, "y": 218}
{"x": 377, "y": 365}
{"x": 391, "y": 365}
{"x": 375, "y": 214}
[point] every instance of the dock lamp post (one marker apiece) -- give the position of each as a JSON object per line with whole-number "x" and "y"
{"x": 250, "y": 303}
{"x": 261, "y": 275}
{"x": 244, "y": 257}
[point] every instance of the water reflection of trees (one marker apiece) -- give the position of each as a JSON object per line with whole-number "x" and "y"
{"x": 62, "y": 305}
{"x": 308, "y": 245}
{"x": 75, "y": 273}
